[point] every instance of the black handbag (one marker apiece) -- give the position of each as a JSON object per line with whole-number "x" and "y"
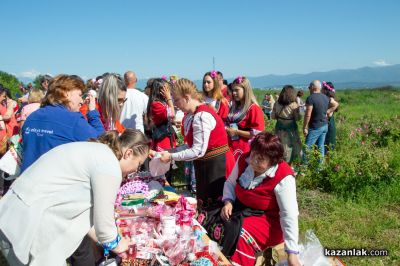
{"x": 161, "y": 131}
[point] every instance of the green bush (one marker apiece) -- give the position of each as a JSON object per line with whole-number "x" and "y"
{"x": 368, "y": 139}
{"x": 366, "y": 155}
{"x": 10, "y": 82}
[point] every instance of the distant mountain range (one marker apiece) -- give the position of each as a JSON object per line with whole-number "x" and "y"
{"x": 365, "y": 77}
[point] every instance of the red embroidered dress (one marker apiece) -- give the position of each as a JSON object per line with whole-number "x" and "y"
{"x": 260, "y": 232}
{"x": 252, "y": 121}
{"x": 159, "y": 113}
{"x": 210, "y": 174}
{"x": 223, "y": 109}
{"x": 224, "y": 91}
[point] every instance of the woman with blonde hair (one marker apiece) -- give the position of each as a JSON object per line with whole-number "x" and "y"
{"x": 111, "y": 97}
{"x": 34, "y": 99}
{"x": 245, "y": 119}
{"x": 207, "y": 140}
{"x": 213, "y": 95}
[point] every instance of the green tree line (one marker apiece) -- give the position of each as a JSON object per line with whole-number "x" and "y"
{"x": 10, "y": 82}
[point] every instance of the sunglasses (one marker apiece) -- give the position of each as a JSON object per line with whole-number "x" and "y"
{"x": 122, "y": 100}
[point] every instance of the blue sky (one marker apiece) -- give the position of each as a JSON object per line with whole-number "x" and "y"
{"x": 155, "y": 38}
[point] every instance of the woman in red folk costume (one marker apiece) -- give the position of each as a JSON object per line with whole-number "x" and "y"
{"x": 160, "y": 111}
{"x": 261, "y": 198}
{"x": 208, "y": 143}
{"x": 245, "y": 118}
{"x": 213, "y": 94}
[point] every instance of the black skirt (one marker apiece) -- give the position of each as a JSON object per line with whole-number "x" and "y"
{"x": 210, "y": 179}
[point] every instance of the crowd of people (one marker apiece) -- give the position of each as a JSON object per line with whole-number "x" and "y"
{"x": 81, "y": 140}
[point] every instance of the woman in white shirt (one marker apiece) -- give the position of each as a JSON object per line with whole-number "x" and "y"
{"x": 67, "y": 193}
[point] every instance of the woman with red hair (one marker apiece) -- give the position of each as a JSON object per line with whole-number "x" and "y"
{"x": 260, "y": 206}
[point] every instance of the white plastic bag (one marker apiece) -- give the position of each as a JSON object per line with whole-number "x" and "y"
{"x": 10, "y": 163}
{"x": 311, "y": 252}
{"x": 158, "y": 168}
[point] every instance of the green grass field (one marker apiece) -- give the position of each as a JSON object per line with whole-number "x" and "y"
{"x": 354, "y": 200}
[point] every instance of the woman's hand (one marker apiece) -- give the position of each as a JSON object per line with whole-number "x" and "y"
{"x": 92, "y": 102}
{"x": 293, "y": 260}
{"x": 231, "y": 131}
{"x": 226, "y": 211}
{"x": 294, "y": 105}
{"x": 11, "y": 102}
{"x": 166, "y": 93}
{"x": 178, "y": 123}
{"x": 165, "y": 157}
{"x": 152, "y": 153}
{"x": 305, "y": 132}
{"x": 123, "y": 245}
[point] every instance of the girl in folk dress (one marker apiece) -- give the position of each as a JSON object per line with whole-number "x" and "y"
{"x": 245, "y": 118}
{"x": 160, "y": 111}
{"x": 213, "y": 94}
{"x": 207, "y": 140}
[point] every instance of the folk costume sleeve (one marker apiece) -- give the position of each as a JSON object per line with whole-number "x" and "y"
{"x": 159, "y": 113}
{"x": 230, "y": 183}
{"x": 256, "y": 120}
{"x": 203, "y": 123}
{"x": 285, "y": 193}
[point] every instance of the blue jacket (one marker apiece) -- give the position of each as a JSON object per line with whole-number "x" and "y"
{"x": 53, "y": 125}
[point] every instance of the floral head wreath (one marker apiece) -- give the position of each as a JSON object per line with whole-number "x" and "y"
{"x": 328, "y": 87}
{"x": 164, "y": 78}
{"x": 239, "y": 79}
{"x": 173, "y": 79}
{"x": 213, "y": 74}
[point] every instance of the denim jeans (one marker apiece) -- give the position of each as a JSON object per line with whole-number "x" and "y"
{"x": 316, "y": 136}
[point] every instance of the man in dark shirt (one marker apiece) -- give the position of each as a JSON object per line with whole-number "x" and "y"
{"x": 315, "y": 119}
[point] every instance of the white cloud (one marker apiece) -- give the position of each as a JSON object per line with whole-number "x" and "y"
{"x": 29, "y": 74}
{"x": 381, "y": 62}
